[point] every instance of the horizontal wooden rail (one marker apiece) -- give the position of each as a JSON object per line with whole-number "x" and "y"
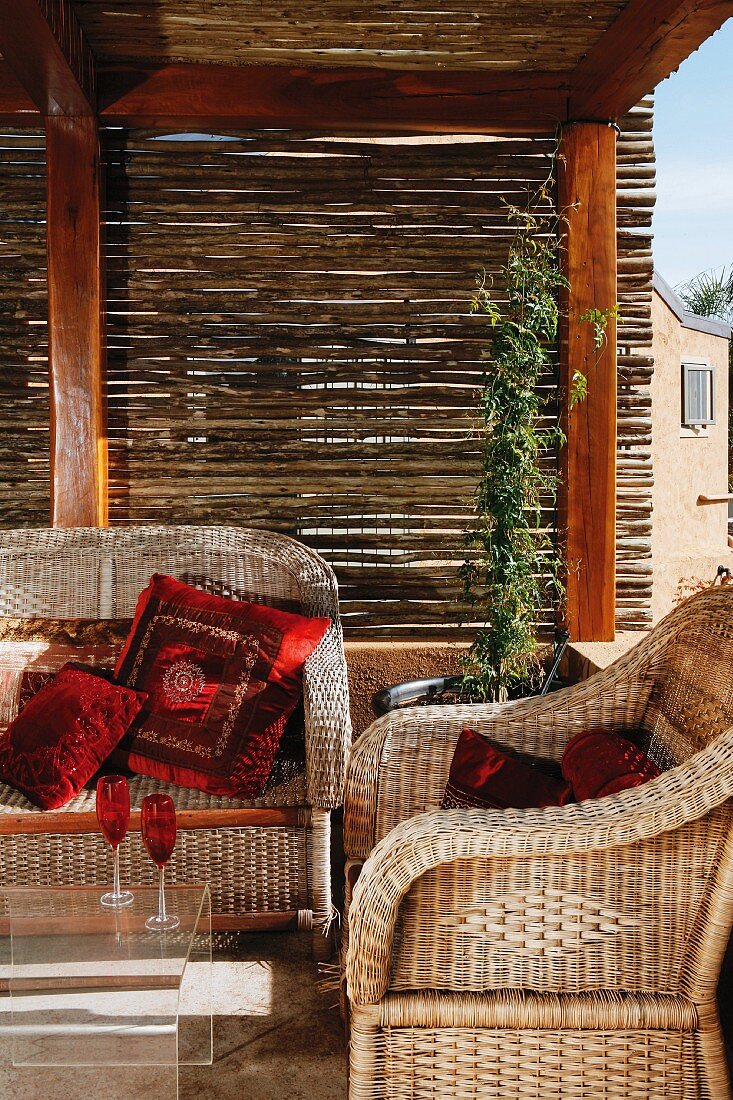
{"x": 360, "y": 100}
{"x": 54, "y": 821}
{"x": 220, "y": 922}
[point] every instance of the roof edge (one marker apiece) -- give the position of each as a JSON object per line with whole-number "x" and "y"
{"x": 687, "y": 319}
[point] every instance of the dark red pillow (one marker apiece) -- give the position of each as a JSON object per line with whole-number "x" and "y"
{"x": 597, "y": 763}
{"x": 486, "y": 776}
{"x": 63, "y": 735}
{"x": 222, "y": 678}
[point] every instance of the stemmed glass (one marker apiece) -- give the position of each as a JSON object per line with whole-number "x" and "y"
{"x": 158, "y": 821}
{"x": 113, "y": 815}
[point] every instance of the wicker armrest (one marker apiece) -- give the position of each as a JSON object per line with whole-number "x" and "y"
{"x": 400, "y": 765}
{"x": 614, "y": 872}
{"x": 327, "y": 721}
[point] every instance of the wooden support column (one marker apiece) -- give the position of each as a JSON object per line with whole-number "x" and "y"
{"x": 76, "y": 323}
{"x": 587, "y": 198}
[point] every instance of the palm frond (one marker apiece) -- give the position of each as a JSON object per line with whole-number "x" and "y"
{"x": 710, "y": 294}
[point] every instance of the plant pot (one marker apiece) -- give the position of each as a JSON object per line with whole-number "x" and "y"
{"x": 450, "y": 690}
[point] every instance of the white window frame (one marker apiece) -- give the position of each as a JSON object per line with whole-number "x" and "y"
{"x": 690, "y": 365}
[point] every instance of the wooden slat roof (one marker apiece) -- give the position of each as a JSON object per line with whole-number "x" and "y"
{"x": 422, "y": 34}
{"x": 414, "y": 66}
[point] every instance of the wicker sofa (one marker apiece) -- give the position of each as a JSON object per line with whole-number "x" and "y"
{"x": 566, "y": 952}
{"x": 267, "y": 860}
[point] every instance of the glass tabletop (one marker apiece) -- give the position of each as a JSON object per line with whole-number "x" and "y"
{"x": 93, "y": 986}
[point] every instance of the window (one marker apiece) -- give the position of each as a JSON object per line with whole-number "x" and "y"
{"x": 698, "y": 379}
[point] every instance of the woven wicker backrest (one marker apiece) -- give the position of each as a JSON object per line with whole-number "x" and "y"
{"x": 691, "y": 697}
{"x": 99, "y": 573}
{"x": 640, "y": 913}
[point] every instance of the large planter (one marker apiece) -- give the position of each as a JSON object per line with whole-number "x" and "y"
{"x": 448, "y": 690}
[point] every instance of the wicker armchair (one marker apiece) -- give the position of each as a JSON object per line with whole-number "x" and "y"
{"x": 267, "y": 860}
{"x": 569, "y": 952}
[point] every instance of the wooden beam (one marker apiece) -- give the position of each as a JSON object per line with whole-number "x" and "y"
{"x": 43, "y": 43}
{"x": 587, "y": 198}
{"x": 56, "y": 821}
{"x": 358, "y": 100}
{"x": 647, "y": 42}
{"x": 16, "y": 106}
{"x": 76, "y": 324}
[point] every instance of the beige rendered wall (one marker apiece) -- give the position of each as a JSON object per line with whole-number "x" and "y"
{"x": 376, "y": 665}
{"x": 688, "y": 539}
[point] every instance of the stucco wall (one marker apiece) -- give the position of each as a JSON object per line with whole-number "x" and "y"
{"x": 375, "y": 665}
{"x": 688, "y": 539}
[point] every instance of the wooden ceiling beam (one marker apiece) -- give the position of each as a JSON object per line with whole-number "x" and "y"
{"x": 346, "y": 99}
{"x": 649, "y": 40}
{"x": 45, "y": 46}
{"x": 16, "y": 106}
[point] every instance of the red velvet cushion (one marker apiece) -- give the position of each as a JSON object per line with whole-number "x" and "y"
{"x": 486, "y": 776}
{"x": 63, "y": 734}
{"x": 222, "y": 677}
{"x": 597, "y": 763}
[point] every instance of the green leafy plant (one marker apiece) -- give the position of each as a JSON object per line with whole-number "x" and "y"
{"x": 511, "y": 558}
{"x": 599, "y": 319}
{"x": 710, "y": 294}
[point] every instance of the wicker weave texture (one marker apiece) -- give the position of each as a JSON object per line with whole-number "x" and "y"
{"x": 676, "y": 684}
{"x": 99, "y": 573}
{"x": 571, "y": 950}
{"x": 249, "y": 870}
{"x": 489, "y": 1063}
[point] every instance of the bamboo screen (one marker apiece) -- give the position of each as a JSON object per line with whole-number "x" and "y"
{"x": 24, "y": 410}
{"x": 290, "y": 346}
{"x": 634, "y": 480}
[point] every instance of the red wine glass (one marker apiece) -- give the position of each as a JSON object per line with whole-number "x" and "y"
{"x": 158, "y": 821}
{"x": 113, "y": 815}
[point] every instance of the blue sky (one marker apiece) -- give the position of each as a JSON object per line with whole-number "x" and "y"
{"x": 693, "y": 134}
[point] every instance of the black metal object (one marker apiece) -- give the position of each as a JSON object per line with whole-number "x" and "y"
{"x": 457, "y": 689}
{"x": 562, "y": 637}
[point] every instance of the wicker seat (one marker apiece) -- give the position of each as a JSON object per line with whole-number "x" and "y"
{"x": 569, "y": 952}
{"x": 268, "y": 860}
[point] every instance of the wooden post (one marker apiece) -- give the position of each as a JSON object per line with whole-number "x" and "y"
{"x": 76, "y": 323}
{"x": 587, "y": 200}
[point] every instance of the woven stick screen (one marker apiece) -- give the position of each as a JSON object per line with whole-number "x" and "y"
{"x": 291, "y": 346}
{"x": 634, "y": 481}
{"x": 24, "y": 411}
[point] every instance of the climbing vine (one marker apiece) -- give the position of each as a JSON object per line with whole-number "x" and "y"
{"x": 511, "y": 559}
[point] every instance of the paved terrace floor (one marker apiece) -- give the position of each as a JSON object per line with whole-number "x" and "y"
{"x": 276, "y": 1035}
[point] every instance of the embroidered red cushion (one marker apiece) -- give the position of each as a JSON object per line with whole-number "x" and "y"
{"x": 222, "y": 678}
{"x": 596, "y": 763}
{"x": 64, "y": 734}
{"x": 483, "y": 775}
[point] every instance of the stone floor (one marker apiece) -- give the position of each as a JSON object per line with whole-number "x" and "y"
{"x": 276, "y": 1036}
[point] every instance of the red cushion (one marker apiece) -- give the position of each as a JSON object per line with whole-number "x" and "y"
{"x": 484, "y": 775}
{"x": 63, "y": 734}
{"x": 597, "y": 763}
{"x": 222, "y": 677}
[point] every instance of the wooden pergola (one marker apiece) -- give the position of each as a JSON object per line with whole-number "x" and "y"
{"x": 522, "y": 68}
